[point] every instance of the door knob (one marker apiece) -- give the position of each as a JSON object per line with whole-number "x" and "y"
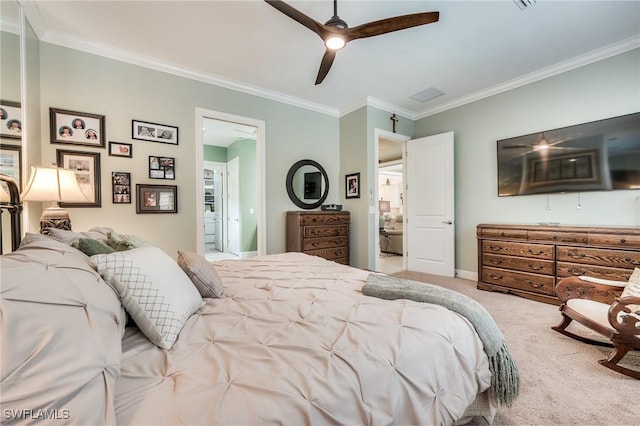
{"x": 447, "y": 222}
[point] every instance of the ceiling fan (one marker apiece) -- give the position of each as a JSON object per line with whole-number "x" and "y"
{"x": 336, "y": 33}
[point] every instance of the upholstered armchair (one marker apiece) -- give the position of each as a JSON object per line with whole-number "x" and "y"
{"x": 610, "y": 308}
{"x": 391, "y": 235}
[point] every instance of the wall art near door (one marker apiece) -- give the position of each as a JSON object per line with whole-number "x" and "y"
{"x": 76, "y": 128}
{"x": 119, "y": 149}
{"x": 162, "y": 167}
{"x": 352, "y": 185}
{"x": 156, "y": 198}
{"x": 154, "y": 132}
{"x": 121, "y": 187}
{"x": 10, "y": 120}
{"x": 87, "y": 168}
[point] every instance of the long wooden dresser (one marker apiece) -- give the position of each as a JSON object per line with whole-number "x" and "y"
{"x": 319, "y": 233}
{"x": 528, "y": 260}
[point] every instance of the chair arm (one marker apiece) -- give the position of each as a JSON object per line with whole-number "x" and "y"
{"x": 628, "y": 323}
{"x": 588, "y": 288}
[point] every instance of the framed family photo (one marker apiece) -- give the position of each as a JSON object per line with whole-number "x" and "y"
{"x": 156, "y": 198}
{"x": 153, "y": 132}
{"x": 10, "y": 120}
{"x": 76, "y": 128}
{"x": 87, "y": 168}
{"x": 120, "y": 149}
{"x": 121, "y": 187}
{"x": 11, "y": 162}
{"x": 162, "y": 167}
{"x": 352, "y": 185}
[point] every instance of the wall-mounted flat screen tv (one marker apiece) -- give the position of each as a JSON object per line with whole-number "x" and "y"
{"x": 601, "y": 155}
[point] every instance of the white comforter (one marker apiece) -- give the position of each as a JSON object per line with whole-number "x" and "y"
{"x": 293, "y": 341}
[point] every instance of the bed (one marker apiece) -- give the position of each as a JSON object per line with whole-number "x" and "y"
{"x": 289, "y": 339}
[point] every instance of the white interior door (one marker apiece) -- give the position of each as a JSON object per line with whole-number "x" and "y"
{"x": 430, "y": 229}
{"x": 233, "y": 206}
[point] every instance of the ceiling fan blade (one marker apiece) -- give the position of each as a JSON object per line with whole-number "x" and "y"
{"x": 388, "y": 25}
{"x": 298, "y": 16}
{"x": 325, "y": 65}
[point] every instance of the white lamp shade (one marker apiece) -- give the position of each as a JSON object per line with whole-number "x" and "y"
{"x": 53, "y": 184}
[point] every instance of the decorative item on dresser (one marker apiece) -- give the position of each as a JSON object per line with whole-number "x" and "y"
{"x": 528, "y": 260}
{"x": 319, "y": 233}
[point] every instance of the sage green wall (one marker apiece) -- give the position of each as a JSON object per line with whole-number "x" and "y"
{"x": 245, "y": 151}
{"x": 214, "y": 153}
{"x": 607, "y": 88}
{"x": 85, "y": 82}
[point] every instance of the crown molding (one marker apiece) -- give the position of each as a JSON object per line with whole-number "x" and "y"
{"x": 553, "y": 70}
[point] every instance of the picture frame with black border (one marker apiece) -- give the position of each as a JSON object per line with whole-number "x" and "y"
{"x": 162, "y": 167}
{"x": 120, "y": 149}
{"x": 352, "y": 185}
{"x": 10, "y": 120}
{"x": 156, "y": 198}
{"x": 121, "y": 187}
{"x": 76, "y": 128}
{"x": 154, "y": 132}
{"x": 11, "y": 162}
{"x": 87, "y": 168}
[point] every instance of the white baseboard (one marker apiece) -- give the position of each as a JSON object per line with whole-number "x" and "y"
{"x": 468, "y": 275}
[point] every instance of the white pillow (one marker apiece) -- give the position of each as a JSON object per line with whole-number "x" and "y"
{"x": 153, "y": 289}
{"x": 633, "y": 289}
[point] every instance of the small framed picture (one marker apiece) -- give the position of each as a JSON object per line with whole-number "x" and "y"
{"x": 162, "y": 167}
{"x": 76, "y": 128}
{"x": 154, "y": 132}
{"x": 156, "y": 198}
{"x": 119, "y": 149}
{"x": 11, "y": 162}
{"x": 10, "y": 120}
{"x": 87, "y": 168}
{"x": 352, "y": 185}
{"x": 121, "y": 187}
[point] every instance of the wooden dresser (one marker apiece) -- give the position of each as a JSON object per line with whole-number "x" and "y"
{"x": 319, "y": 233}
{"x": 528, "y": 260}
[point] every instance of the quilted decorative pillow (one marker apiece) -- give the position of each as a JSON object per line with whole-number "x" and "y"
{"x": 153, "y": 289}
{"x": 202, "y": 274}
{"x": 121, "y": 242}
{"x": 633, "y": 289}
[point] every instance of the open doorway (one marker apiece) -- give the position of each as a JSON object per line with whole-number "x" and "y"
{"x": 230, "y": 182}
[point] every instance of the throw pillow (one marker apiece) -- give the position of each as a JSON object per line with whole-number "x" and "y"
{"x": 70, "y": 237}
{"x": 202, "y": 273}
{"x": 633, "y": 289}
{"x": 91, "y": 247}
{"x": 120, "y": 242}
{"x": 153, "y": 289}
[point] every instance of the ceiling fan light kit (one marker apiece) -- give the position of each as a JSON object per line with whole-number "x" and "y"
{"x": 335, "y": 33}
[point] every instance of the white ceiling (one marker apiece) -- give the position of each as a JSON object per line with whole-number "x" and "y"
{"x": 476, "y": 49}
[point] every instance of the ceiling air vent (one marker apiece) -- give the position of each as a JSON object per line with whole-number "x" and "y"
{"x": 427, "y": 95}
{"x": 524, "y": 4}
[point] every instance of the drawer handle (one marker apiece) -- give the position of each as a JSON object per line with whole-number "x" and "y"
{"x": 495, "y": 248}
{"x": 502, "y": 234}
{"x": 535, "y": 285}
{"x": 579, "y": 255}
{"x": 576, "y": 272}
{"x": 623, "y": 240}
{"x": 495, "y": 261}
{"x": 496, "y": 277}
{"x": 530, "y": 251}
{"x": 631, "y": 261}
{"x": 535, "y": 268}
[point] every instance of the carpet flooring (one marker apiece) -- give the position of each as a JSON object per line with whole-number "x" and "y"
{"x": 561, "y": 380}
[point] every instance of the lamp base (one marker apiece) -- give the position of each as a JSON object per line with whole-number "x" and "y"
{"x": 54, "y": 217}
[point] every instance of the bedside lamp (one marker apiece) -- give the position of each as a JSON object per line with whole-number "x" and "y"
{"x": 383, "y": 207}
{"x": 57, "y": 185}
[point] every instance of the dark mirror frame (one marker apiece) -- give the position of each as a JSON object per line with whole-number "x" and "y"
{"x": 292, "y": 195}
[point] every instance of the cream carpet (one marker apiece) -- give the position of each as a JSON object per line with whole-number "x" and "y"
{"x": 561, "y": 380}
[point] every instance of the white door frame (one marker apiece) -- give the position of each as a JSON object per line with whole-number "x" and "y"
{"x": 233, "y": 192}
{"x": 201, "y": 114}
{"x": 374, "y": 247}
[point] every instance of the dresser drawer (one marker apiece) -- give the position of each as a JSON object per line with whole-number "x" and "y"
{"x": 613, "y": 240}
{"x": 325, "y": 231}
{"x": 330, "y": 253}
{"x": 519, "y": 280}
{"x": 545, "y": 267}
{"x": 599, "y": 257}
{"x": 320, "y": 243}
{"x": 324, "y": 219}
{"x": 566, "y": 269}
{"x": 538, "y": 251}
{"x": 514, "y": 234}
{"x": 560, "y": 237}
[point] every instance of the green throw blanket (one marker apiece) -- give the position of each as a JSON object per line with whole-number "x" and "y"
{"x": 505, "y": 379}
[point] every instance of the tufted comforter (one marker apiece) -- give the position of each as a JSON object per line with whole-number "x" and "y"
{"x": 294, "y": 341}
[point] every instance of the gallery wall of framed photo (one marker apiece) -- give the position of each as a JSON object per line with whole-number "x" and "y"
{"x": 81, "y": 139}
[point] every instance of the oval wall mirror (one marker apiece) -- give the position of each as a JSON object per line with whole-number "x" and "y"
{"x": 307, "y": 184}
